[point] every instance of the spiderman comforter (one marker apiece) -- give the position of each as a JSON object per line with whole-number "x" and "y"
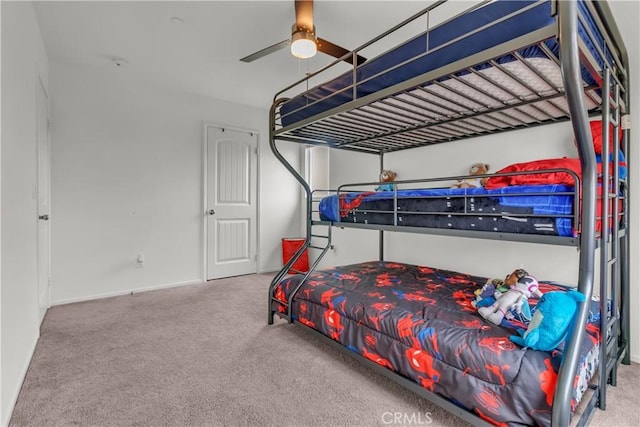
{"x": 419, "y": 322}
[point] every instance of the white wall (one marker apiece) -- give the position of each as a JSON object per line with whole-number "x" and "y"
{"x": 2, "y": 416}
{"x": 127, "y": 179}
{"x": 485, "y": 257}
{"x": 281, "y": 200}
{"x": 349, "y": 245}
{"x": 22, "y": 53}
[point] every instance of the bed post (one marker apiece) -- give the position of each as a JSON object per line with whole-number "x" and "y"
{"x": 381, "y": 232}
{"x": 308, "y": 204}
{"x": 570, "y": 66}
{"x": 625, "y": 345}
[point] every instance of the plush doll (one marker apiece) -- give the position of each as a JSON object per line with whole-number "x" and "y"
{"x": 521, "y": 287}
{"x": 475, "y": 169}
{"x": 489, "y": 292}
{"x": 386, "y": 177}
{"x": 551, "y": 321}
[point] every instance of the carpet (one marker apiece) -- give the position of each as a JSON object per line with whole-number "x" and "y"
{"x": 204, "y": 355}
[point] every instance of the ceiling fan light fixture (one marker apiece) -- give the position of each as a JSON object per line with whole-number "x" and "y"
{"x": 303, "y": 44}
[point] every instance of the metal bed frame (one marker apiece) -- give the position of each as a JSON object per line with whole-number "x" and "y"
{"x": 362, "y": 125}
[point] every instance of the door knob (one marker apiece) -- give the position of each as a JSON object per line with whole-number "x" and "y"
{"x": 44, "y": 217}
{"x": 211, "y": 212}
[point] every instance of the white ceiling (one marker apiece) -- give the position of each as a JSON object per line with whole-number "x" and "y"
{"x": 201, "y": 55}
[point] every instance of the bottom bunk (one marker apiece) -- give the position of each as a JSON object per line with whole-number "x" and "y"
{"x": 421, "y": 323}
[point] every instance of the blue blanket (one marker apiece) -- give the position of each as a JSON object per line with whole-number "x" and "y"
{"x": 540, "y": 199}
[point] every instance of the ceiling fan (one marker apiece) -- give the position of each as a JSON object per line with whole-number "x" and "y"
{"x": 303, "y": 41}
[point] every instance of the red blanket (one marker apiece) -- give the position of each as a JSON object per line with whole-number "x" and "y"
{"x": 541, "y": 177}
{"x": 537, "y": 178}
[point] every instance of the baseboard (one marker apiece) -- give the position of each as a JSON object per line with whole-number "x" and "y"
{"x": 127, "y": 292}
{"x": 14, "y": 399}
{"x": 268, "y": 269}
{"x": 635, "y": 358}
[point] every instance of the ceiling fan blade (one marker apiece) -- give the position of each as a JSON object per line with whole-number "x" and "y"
{"x": 266, "y": 51}
{"x": 304, "y": 14}
{"x": 338, "y": 51}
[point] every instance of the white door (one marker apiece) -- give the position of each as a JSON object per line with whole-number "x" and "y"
{"x": 231, "y": 211}
{"x": 44, "y": 175}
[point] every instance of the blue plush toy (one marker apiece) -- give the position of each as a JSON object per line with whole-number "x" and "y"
{"x": 551, "y": 321}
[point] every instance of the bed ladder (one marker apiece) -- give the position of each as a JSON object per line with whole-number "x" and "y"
{"x": 310, "y": 243}
{"x": 612, "y": 261}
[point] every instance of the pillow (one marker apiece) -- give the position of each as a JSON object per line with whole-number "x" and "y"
{"x": 537, "y": 178}
{"x": 596, "y": 135}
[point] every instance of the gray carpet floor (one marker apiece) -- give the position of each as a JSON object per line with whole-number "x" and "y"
{"x": 204, "y": 355}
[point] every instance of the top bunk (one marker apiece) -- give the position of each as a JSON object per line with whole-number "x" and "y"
{"x": 493, "y": 68}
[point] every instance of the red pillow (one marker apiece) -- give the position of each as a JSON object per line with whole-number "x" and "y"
{"x": 537, "y": 178}
{"x": 596, "y": 135}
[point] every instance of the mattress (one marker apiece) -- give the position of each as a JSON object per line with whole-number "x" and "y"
{"x": 526, "y": 209}
{"x": 509, "y": 79}
{"x": 419, "y": 322}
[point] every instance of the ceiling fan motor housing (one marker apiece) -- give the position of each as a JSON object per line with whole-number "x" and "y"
{"x": 302, "y": 32}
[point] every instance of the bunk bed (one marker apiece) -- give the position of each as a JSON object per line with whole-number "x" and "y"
{"x": 499, "y": 66}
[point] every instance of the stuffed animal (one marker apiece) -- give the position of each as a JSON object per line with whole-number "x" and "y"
{"x": 521, "y": 287}
{"x": 387, "y": 177}
{"x": 475, "y": 169}
{"x": 551, "y": 321}
{"x": 489, "y": 292}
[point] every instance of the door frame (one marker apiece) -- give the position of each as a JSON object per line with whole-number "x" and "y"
{"x": 205, "y": 188}
{"x": 40, "y": 84}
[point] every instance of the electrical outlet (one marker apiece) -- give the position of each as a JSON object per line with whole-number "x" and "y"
{"x": 140, "y": 260}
